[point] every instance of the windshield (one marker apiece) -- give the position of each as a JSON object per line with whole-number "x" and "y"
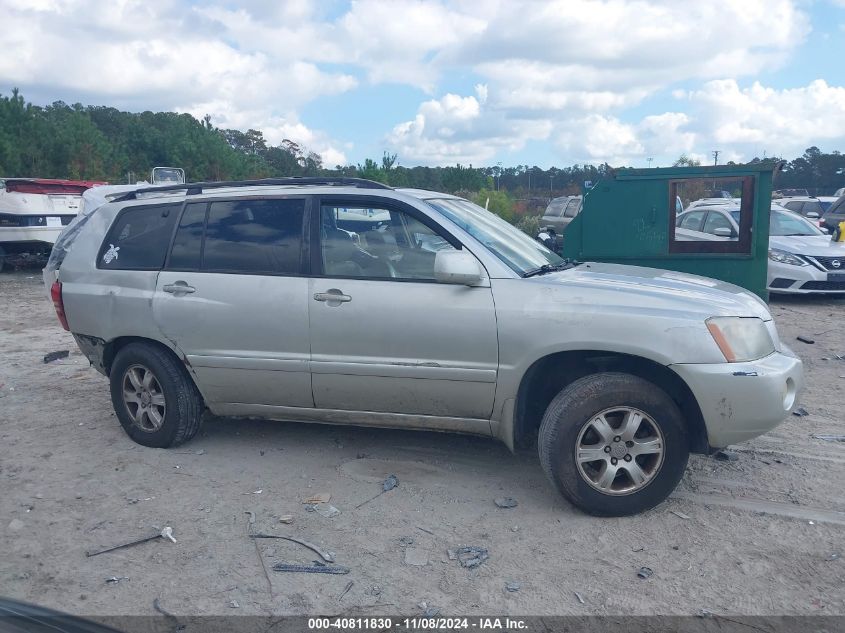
{"x": 785, "y": 223}
{"x": 520, "y": 252}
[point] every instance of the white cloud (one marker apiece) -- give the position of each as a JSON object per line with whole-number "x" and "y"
{"x": 457, "y": 129}
{"x": 565, "y": 71}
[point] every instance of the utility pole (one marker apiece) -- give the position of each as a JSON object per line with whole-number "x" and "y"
{"x": 551, "y": 184}
{"x": 716, "y": 153}
{"x": 649, "y": 159}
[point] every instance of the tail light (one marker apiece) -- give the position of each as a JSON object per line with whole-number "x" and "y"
{"x": 56, "y": 296}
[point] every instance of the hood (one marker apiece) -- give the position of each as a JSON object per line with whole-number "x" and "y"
{"x": 656, "y": 290}
{"x": 813, "y": 245}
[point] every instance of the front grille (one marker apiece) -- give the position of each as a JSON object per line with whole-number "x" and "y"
{"x": 827, "y": 262}
{"x": 824, "y": 286}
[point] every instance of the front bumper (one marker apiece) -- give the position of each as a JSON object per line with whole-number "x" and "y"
{"x": 789, "y": 279}
{"x": 739, "y": 401}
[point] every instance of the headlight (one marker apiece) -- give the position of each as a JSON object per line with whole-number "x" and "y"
{"x": 741, "y": 338}
{"x": 777, "y": 255}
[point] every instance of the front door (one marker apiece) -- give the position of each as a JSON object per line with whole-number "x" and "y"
{"x": 385, "y": 336}
{"x": 233, "y": 300}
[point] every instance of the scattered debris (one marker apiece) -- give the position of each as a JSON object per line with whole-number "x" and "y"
{"x": 578, "y": 595}
{"x": 49, "y": 358}
{"x": 374, "y": 590}
{"x": 324, "y": 554}
{"x": 345, "y": 591}
{"x": 800, "y": 412}
{"x": 471, "y": 555}
{"x": 829, "y": 438}
{"x": 320, "y": 497}
{"x": 426, "y": 530}
{"x": 234, "y": 604}
{"x": 286, "y": 518}
{"x": 116, "y": 579}
{"x": 680, "y": 515}
{"x": 429, "y": 611}
{"x": 645, "y": 572}
{"x": 416, "y": 556}
{"x": 513, "y": 586}
{"x": 726, "y": 456}
{"x": 639, "y": 548}
{"x": 251, "y": 517}
{"x": 166, "y": 533}
{"x": 311, "y": 569}
{"x": 834, "y": 556}
{"x": 506, "y": 502}
{"x": 452, "y": 554}
{"x": 806, "y": 339}
{"x": 326, "y": 510}
{"x": 405, "y": 541}
{"x": 15, "y": 525}
{"x": 390, "y": 483}
{"x": 257, "y": 492}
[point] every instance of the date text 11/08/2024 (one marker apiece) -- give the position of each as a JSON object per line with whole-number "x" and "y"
{"x": 419, "y": 623}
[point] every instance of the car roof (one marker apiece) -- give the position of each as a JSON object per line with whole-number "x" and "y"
{"x": 425, "y": 194}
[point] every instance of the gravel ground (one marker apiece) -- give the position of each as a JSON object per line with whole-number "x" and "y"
{"x": 758, "y": 535}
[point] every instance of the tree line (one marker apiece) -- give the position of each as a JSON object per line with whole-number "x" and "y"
{"x": 103, "y": 143}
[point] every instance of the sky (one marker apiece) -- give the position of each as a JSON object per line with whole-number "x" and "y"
{"x": 475, "y": 82}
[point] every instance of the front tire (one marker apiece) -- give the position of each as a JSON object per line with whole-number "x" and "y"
{"x": 613, "y": 444}
{"x": 153, "y": 396}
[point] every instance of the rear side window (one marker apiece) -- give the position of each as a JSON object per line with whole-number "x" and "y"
{"x": 572, "y": 208}
{"x": 248, "y": 236}
{"x": 187, "y": 245}
{"x": 139, "y": 238}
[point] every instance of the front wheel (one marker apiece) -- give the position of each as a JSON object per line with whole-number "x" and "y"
{"x": 613, "y": 444}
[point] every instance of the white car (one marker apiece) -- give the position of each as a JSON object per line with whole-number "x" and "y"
{"x": 802, "y": 259}
{"x": 839, "y": 192}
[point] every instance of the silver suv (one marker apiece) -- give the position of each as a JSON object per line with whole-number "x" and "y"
{"x": 347, "y": 302}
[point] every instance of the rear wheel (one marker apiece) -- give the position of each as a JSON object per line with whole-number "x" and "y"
{"x": 153, "y": 396}
{"x": 613, "y": 444}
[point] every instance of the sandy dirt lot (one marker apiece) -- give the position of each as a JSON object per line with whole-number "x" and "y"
{"x": 764, "y": 534}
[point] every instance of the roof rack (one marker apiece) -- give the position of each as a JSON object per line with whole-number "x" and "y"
{"x": 197, "y": 188}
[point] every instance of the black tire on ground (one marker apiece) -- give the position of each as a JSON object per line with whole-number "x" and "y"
{"x": 574, "y": 408}
{"x": 183, "y": 403}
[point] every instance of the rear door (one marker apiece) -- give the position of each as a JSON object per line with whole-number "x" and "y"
{"x": 232, "y": 298}
{"x": 385, "y": 336}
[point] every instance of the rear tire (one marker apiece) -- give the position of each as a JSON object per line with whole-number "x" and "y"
{"x": 613, "y": 444}
{"x": 153, "y": 396}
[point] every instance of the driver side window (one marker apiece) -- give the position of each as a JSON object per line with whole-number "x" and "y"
{"x": 361, "y": 241}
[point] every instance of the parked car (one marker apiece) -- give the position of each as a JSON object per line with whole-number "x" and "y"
{"x": 713, "y": 201}
{"x": 559, "y": 213}
{"x": 839, "y": 192}
{"x": 33, "y": 212}
{"x": 790, "y": 193}
{"x": 802, "y": 259}
{"x": 246, "y": 299}
{"x": 811, "y": 207}
{"x": 834, "y": 215}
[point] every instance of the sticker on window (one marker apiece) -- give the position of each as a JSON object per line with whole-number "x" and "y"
{"x": 110, "y": 254}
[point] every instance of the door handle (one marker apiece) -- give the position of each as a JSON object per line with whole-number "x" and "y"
{"x": 332, "y": 296}
{"x": 179, "y": 288}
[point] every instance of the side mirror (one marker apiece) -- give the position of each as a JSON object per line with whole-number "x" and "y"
{"x": 723, "y": 231}
{"x": 812, "y": 215}
{"x": 457, "y": 267}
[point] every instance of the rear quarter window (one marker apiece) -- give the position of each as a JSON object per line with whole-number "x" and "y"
{"x": 139, "y": 238}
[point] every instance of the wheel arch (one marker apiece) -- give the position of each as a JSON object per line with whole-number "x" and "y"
{"x": 111, "y": 349}
{"x": 544, "y": 379}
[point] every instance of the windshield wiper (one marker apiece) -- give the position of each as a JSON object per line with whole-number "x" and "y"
{"x": 549, "y": 268}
